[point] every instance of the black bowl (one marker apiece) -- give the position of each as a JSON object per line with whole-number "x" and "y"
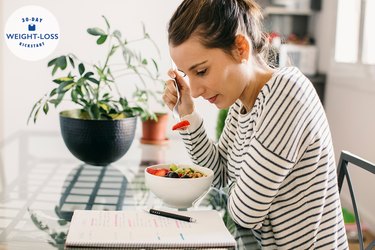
{"x": 97, "y": 142}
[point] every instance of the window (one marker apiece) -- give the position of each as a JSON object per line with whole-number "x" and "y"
{"x": 368, "y": 50}
{"x": 354, "y": 38}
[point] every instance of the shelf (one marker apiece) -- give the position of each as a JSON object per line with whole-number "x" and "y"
{"x": 275, "y": 10}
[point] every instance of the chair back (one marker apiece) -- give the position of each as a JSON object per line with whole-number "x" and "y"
{"x": 345, "y": 159}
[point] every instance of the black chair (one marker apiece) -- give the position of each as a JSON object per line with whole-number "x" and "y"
{"x": 345, "y": 159}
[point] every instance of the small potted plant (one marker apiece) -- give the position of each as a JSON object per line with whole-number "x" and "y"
{"x": 102, "y": 129}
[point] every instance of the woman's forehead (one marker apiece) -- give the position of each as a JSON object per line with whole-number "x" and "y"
{"x": 190, "y": 50}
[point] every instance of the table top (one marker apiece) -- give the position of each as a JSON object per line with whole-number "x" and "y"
{"x": 41, "y": 184}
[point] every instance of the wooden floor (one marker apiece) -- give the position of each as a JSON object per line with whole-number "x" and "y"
{"x": 353, "y": 245}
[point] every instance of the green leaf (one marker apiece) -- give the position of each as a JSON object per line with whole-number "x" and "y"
{"x": 68, "y": 86}
{"x": 61, "y": 62}
{"x": 52, "y": 62}
{"x": 53, "y": 92}
{"x": 62, "y": 222}
{"x": 123, "y": 102}
{"x": 35, "y": 107}
{"x": 104, "y": 106}
{"x": 96, "y": 31}
{"x": 101, "y": 73}
{"x": 144, "y": 61}
{"x": 117, "y": 116}
{"x": 71, "y": 60}
{"x": 94, "y": 112}
{"x": 155, "y": 64}
{"x": 78, "y": 90}
{"x": 88, "y": 74}
{"x": 81, "y": 68}
{"x": 52, "y": 101}
{"x": 74, "y": 95}
{"x": 62, "y": 87}
{"x": 36, "y": 114}
{"x": 45, "y": 108}
{"x": 58, "y": 62}
{"x": 59, "y": 99}
{"x": 63, "y": 79}
{"x": 113, "y": 50}
{"x": 81, "y": 81}
{"x": 101, "y": 39}
{"x": 85, "y": 91}
{"x": 93, "y": 80}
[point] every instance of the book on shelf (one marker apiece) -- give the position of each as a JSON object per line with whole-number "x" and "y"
{"x": 140, "y": 229}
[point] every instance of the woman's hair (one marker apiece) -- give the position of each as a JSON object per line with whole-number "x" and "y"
{"x": 217, "y": 22}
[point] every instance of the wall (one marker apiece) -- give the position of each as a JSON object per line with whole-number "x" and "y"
{"x": 2, "y": 45}
{"x": 349, "y": 104}
{"x": 23, "y": 82}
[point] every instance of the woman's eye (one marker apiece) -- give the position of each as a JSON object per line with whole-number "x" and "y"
{"x": 201, "y": 72}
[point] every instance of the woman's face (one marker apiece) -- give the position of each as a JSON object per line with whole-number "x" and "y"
{"x": 213, "y": 74}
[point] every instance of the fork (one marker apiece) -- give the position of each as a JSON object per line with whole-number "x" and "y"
{"x": 181, "y": 125}
{"x": 175, "y": 113}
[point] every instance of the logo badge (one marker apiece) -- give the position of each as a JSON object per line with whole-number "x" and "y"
{"x": 32, "y": 33}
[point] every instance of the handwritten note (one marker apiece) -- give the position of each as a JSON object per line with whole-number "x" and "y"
{"x": 139, "y": 228}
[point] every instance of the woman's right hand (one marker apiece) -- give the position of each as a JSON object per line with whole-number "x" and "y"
{"x": 186, "y": 105}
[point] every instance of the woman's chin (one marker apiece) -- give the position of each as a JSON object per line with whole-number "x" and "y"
{"x": 223, "y": 105}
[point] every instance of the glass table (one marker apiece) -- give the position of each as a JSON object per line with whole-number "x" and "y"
{"x": 41, "y": 184}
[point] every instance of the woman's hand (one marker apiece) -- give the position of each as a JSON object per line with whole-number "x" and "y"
{"x": 186, "y": 105}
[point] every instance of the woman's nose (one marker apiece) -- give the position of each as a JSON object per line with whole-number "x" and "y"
{"x": 196, "y": 90}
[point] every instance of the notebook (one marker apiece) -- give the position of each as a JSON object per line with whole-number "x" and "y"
{"x": 140, "y": 229}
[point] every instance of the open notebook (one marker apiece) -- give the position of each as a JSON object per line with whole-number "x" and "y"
{"x": 139, "y": 229}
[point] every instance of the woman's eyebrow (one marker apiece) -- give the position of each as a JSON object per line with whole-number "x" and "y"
{"x": 196, "y": 65}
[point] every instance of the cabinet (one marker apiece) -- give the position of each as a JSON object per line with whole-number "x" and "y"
{"x": 293, "y": 21}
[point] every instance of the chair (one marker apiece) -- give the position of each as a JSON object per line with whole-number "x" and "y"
{"x": 345, "y": 159}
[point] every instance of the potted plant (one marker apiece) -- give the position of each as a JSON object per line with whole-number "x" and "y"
{"x": 102, "y": 129}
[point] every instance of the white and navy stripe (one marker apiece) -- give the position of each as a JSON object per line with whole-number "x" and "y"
{"x": 280, "y": 160}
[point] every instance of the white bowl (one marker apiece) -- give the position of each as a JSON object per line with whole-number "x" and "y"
{"x": 179, "y": 192}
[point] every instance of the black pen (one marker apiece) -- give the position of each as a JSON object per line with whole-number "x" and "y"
{"x": 171, "y": 215}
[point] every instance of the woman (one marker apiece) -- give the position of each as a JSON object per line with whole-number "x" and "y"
{"x": 276, "y": 150}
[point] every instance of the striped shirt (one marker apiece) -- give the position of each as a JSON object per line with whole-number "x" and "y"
{"x": 279, "y": 159}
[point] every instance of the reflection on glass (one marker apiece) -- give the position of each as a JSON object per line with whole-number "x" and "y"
{"x": 152, "y": 155}
{"x": 85, "y": 187}
{"x": 55, "y": 228}
{"x": 92, "y": 188}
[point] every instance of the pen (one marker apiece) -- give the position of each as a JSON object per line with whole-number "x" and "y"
{"x": 171, "y": 215}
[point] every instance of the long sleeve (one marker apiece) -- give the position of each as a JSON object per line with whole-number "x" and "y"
{"x": 203, "y": 151}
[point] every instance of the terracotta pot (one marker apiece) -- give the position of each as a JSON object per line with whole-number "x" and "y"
{"x": 154, "y": 132}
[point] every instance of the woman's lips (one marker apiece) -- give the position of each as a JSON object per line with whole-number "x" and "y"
{"x": 212, "y": 99}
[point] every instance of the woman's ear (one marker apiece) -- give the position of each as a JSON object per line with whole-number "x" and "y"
{"x": 242, "y": 47}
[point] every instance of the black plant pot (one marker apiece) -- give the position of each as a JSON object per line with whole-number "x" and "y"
{"x": 97, "y": 142}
